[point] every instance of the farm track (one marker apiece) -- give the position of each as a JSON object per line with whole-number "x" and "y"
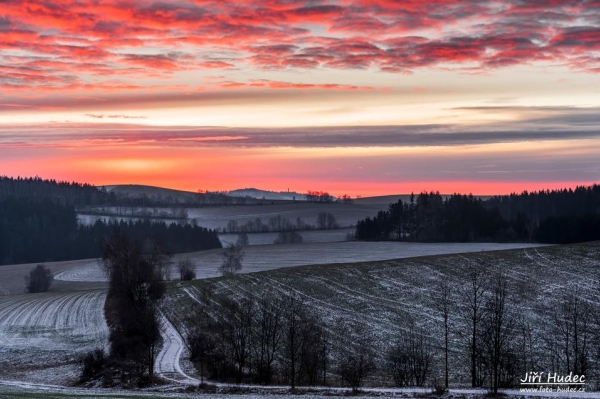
{"x": 168, "y": 360}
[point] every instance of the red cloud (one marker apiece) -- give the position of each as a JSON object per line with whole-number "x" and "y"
{"x": 76, "y": 43}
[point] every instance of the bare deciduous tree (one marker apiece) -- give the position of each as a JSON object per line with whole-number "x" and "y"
{"x": 356, "y": 355}
{"x": 326, "y": 220}
{"x": 288, "y": 237}
{"x": 267, "y": 336}
{"x": 294, "y": 313}
{"x": 232, "y": 260}
{"x": 572, "y": 321}
{"x": 410, "y": 359}
{"x": 473, "y": 295}
{"x": 242, "y": 239}
{"x": 443, "y": 304}
{"x": 498, "y": 331}
{"x": 186, "y": 269}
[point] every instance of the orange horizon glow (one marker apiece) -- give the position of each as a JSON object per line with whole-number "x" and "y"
{"x": 354, "y": 189}
{"x": 356, "y": 97}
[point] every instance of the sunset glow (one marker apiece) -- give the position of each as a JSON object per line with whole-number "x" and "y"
{"x": 351, "y": 96}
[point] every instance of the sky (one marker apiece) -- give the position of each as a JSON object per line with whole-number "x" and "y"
{"x": 358, "y": 97}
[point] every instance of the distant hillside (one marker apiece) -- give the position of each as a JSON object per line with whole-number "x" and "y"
{"x": 269, "y": 195}
{"x": 59, "y": 192}
{"x": 381, "y": 199}
{"x": 140, "y": 195}
{"x": 389, "y": 199}
{"x": 158, "y": 194}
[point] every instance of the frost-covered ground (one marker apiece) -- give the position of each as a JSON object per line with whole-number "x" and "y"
{"x": 389, "y": 296}
{"x": 43, "y": 335}
{"x": 267, "y": 257}
{"x": 217, "y": 217}
{"x": 12, "y": 277}
{"x": 309, "y": 236}
{"x": 23, "y": 389}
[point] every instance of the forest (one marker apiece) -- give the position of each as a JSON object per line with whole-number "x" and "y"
{"x": 555, "y": 217}
{"x": 44, "y": 231}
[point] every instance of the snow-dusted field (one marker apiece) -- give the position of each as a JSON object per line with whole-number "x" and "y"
{"x": 24, "y": 389}
{"x": 42, "y": 335}
{"x": 267, "y": 257}
{"x": 12, "y": 277}
{"x": 90, "y": 270}
{"x": 218, "y": 217}
{"x": 309, "y": 236}
{"x": 388, "y": 296}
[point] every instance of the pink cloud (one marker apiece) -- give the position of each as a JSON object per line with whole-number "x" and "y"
{"x": 74, "y": 44}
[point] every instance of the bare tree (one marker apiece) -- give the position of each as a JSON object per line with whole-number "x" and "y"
{"x": 186, "y": 269}
{"x": 473, "y": 295}
{"x": 443, "y": 304}
{"x": 410, "y": 359}
{"x": 356, "y": 355}
{"x": 326, "y": 220}
{"x": 288, "y": 237}
{"x": 498, "y": 330}
{"x": 242, "y": 239}
{"x": 572, "y": 321}
{"x": 232, "y": 260}
{"x": 294, "y": 313}
{"x": 267, "y": 336}
{"x": 232, "y": 226}
{"x": 238, "y": 332}
{"x": 158, "y": 255}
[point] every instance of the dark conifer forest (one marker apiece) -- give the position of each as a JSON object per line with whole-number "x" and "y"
{"x": 38, "y": 223}
{"x": 555, "y": 217}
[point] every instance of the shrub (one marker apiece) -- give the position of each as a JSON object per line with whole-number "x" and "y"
{"x": 288, "y": 237}
{"x": 186, "y": 270}
{"x": 39, "y": 279}
{"x": 92, "y": 365}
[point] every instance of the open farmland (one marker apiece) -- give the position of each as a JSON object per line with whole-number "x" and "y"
{"x": 12, "y": 277}
{"x": 43, "y": 335}
{"x": 267, "y": 257}
{"x": 391, "y": 296}
{"x": 217, "y": 217}
{"x": 309, "y": 236}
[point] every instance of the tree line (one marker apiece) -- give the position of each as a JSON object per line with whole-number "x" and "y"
{"x": 273, "y": 338}
{"x": 324, "y": 221}
{"x": 43, "y": 231}
{"x": 86, "y": 195}
{"x": 429, "y": 217}
{"x": 62, "y": 192}
{"x": 557, "y": 217}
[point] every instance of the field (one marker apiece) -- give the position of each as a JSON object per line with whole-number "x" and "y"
{"x": 217, "y": 217}
{"x": 43, "y": 335}
{"x": 12, "y": 277}
{"x": 267, "y": 257}
{"x": 310, "y": 236}
{"x": 390, "y": 296}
